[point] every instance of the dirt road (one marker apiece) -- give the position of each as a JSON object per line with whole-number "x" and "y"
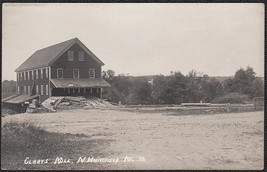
{"x": 161, "y": 141}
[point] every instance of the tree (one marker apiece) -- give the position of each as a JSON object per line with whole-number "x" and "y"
{"x": 140, "y": 92}
{"x": 108, "y": 75}
{"x": 245, "y": 82}
{"x": 8, "y": 88}
{"x": 158, "y": 89}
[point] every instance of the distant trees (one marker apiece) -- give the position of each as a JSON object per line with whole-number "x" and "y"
{"x": 139, "y": 92}
{"x": 108, "y": 75}
{"x": 245, "y": 82}
{"x": 177, "y": 88}
{"x": 8, "y": 88}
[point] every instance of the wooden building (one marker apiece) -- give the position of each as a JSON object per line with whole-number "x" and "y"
{"x": 65, "y": 69}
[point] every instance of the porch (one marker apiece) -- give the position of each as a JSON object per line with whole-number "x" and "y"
{"x": 78, "y": 87}
{"x": 85, "y": 92}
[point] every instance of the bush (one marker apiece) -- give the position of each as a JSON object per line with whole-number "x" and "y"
{"x": 232, "y": 98}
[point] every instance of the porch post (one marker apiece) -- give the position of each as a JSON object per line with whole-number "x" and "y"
{"x": 101, "y": 93}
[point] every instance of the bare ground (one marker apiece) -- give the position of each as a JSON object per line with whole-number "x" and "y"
{"x": 166, "y": 141}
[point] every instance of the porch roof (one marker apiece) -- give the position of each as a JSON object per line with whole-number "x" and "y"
{"x": 79, "y": 83}
{"x": 16, "y": 99}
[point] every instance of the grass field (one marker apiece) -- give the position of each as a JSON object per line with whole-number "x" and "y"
{"x": 139, "y": 140}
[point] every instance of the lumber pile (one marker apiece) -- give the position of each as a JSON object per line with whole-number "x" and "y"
{"x": 68, "y": 102}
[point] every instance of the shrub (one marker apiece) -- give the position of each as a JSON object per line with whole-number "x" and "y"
{"x": 232, "y": 98}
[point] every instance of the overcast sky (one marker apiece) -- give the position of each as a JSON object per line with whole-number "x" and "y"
{"x": 141, "y": 39}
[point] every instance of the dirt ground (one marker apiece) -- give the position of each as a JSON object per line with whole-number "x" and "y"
{"x": 231, "y": 141}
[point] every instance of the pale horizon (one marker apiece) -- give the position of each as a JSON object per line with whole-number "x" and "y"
{"x": 141, "y": 39}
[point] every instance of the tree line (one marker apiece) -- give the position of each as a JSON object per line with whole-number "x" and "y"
{"x": 177, "y": 88}
{"x": 8, "y": 88}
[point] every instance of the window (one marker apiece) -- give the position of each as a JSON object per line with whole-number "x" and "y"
{"x": 60, "y": 73}
{"x": 25, "y": 89}
{"x": 36, "y": 73}
{"x": 32, "y": 75}
{"x": 80, "y": 56}
{"x": 70, "y": 55}
{"x": 46, "y": 74}
{"x": 29, "y": 76}
{"x": 26, "y": 75}
{"x": 29, "y": 89}
{"x": 42, "y": 90}
{"x": 76, "y": 73}
{"x": 41, "y": 74}
{"x": 91, "y": 90}
{"x": 19, "y": 76}
{"x": 91, "y": 73}
{"x": 37, "y": 89}
{"x": 46, "y": 90}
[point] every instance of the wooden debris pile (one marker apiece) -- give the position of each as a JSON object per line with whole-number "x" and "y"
{"x": 68, "y": 102}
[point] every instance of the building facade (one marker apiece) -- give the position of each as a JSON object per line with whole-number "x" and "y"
{"x": 65, "y": 69}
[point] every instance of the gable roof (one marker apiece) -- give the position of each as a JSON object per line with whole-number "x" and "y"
{"x": 46, "y": 56}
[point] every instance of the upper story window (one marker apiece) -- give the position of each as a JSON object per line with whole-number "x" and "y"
{"x": 76, "y": 73}
{"x": 46, "y": 72}
{"x": 70, "y": 55}
{"x": 36, "y": 73}
{"x": 91, "y": 73}
{"x": 59, "y": 73}
{"x": 80, "y": 56}
{"x": 42, "y": 74}
{"x": 26, "y": 75}
{"x": 29, "y": 75}
{"x": 32, "y": 75}
{"x": 19, "y": 76}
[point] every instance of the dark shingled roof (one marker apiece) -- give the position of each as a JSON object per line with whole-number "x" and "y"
{"x": 82, "y": 83}
{"x": 46, "y": 56}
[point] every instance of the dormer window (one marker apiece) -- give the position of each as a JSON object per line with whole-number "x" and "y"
{"x": 70, "y": 55}
{"x": 80, "y": 56}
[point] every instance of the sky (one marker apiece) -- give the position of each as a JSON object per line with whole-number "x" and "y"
{"x": 141, "y": 39}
